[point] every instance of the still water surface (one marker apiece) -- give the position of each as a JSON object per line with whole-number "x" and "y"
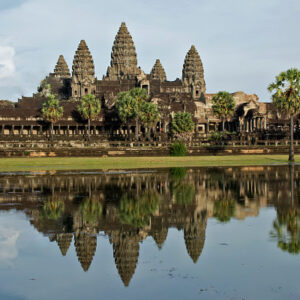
{"x": 196, "y": 233}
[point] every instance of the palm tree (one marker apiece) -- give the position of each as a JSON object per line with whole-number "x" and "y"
{"x": 52, "y": 111}
{"x": 140, "y": 96}
{"x": 223, "y": 106}
{"x": 149, "y": 115}
{"x": 127, "y": 108}
{"x": 286, "y": 96}
{"x": 89, "y": 108}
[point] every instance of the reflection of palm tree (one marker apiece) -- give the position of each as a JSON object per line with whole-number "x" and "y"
{"x": 91, "y": 210}
{"x": 224, "y": 209}
{"x": 53, "y": 209}
{"x": 137, "y": 211}
{"x": 177, "y": 173}
{"x": 287, "y": 231}
{"x": 183, "y": 193}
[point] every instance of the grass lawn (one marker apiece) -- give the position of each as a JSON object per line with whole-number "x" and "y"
{"x": 93, "y": 163}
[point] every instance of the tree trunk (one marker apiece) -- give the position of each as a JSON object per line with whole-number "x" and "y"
{"x": 128, "y": 132}
{"x": 148, "y": 133}
{"x": 223, "y": 125}
{"x": 137, "y": 129}
{"x": 52, "y": 131}
{"x": 291, "y": 155}
{"x": 89, "y": 129}
{"x": 292, "y": 172}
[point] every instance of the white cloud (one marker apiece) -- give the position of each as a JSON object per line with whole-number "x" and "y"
{"x": 7, "y": 64}
{"x": 8, "y": 241}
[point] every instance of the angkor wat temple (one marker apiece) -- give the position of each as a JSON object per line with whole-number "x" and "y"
{"x": 130, "y": 207}
{"x": 186, "y": 94}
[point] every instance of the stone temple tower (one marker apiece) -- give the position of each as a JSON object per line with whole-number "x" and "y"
{"x": 61, "y": 69}
{"x": 123, "y": 63}
{"x": 83, "y": 76}
{"x": 158, "y": 72}
{"x": 193, "y": 74}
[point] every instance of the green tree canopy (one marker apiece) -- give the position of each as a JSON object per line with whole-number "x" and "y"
{"x": 127, "y": 108}
{"x": 89, "y": 108}
{"x": 52, "y": 111}
{"x": 182, "y": 123}
{"x": 91, "y": 211}
{"x": 223, "y": 106}
{"x": 224, "y": 209}
{"x": 286, "y": 230}
{"x": 136, "y": 211}
{"x": 285, "y": 92}
{"x": 149, "y": 115}
{"x": 140, "y": 96}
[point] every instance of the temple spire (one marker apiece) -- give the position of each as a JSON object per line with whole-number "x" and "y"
{"x": 123, "y": 63}
{"x": 61, "y": 69}
{"x": 85, "y": 245}
{"x": 158, "y": 72}
{"x": 193, "y": 74}
{"x": 83, "y": 76}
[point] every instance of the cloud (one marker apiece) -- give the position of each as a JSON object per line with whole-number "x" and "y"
{"x": 8, "y": 241}
{"x": 7, "y": 64}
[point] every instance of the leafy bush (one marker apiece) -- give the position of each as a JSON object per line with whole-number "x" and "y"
{"x": 216, "y": 137}
{"x": 178, "y": 149}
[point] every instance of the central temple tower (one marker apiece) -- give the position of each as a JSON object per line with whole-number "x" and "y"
{"x": 83, "y": 76}
{"x": 123, "y": 63}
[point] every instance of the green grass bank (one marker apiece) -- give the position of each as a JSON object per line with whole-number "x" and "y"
{"x": 94, "y": 163}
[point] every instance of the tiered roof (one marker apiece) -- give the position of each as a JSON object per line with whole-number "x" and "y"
{"x": 160, "y": 237}
{"x": 64, "y": 241}
{"x": 194, "y": 238}
{"x": 158, "y": 72}
{"x": 123, "y": 57}
{"x": 126, "y": 253}
{"x": 85, "y": 244}
{"x": 193, "y": 69}
{"x": 83, "y": 64}
{"x": 61, "y": 69}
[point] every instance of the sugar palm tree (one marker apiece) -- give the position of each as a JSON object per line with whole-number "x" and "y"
{"x": 127, "y": 108}
{"x": 149, "y": 115}
{"x": 140, "y": 96}
{"x": 223, "y": 106}
{"x": 89, "y": 108}
{"x": 286, "y": 96}
{"x": 52, "y": 111}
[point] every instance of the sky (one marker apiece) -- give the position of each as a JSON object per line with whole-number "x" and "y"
{"x": 243, "y": 44}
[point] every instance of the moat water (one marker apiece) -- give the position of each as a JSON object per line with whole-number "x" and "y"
{"x": 195, "y": 233}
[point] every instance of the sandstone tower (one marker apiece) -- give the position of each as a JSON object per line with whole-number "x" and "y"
{"x": 123, "y": 63}
{"x": 85, "y": 245}
{"x": 61, "y": 69}
{"x": 64, "y": 241}
{"x": 193, "y": 74}
{"x": 83, "y": 76}
{"x": 158, "y": 72}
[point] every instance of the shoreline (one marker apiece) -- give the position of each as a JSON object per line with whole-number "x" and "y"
{"x": 113, "y": 163}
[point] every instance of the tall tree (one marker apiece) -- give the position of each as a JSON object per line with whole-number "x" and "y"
{"x": 140, "y": 96}
{"x": 286, "y": 96}
{"x": 149, "y": 115}
{"x": 182, "y": 125}
{"x": 52, "y": 111}
{"x": 127, "y": 108}
{"x": 89, "y": 108}
{"x": 223, "y": 106}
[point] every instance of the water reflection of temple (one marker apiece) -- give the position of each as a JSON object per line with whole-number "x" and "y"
{"x": 130, "y": 207}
